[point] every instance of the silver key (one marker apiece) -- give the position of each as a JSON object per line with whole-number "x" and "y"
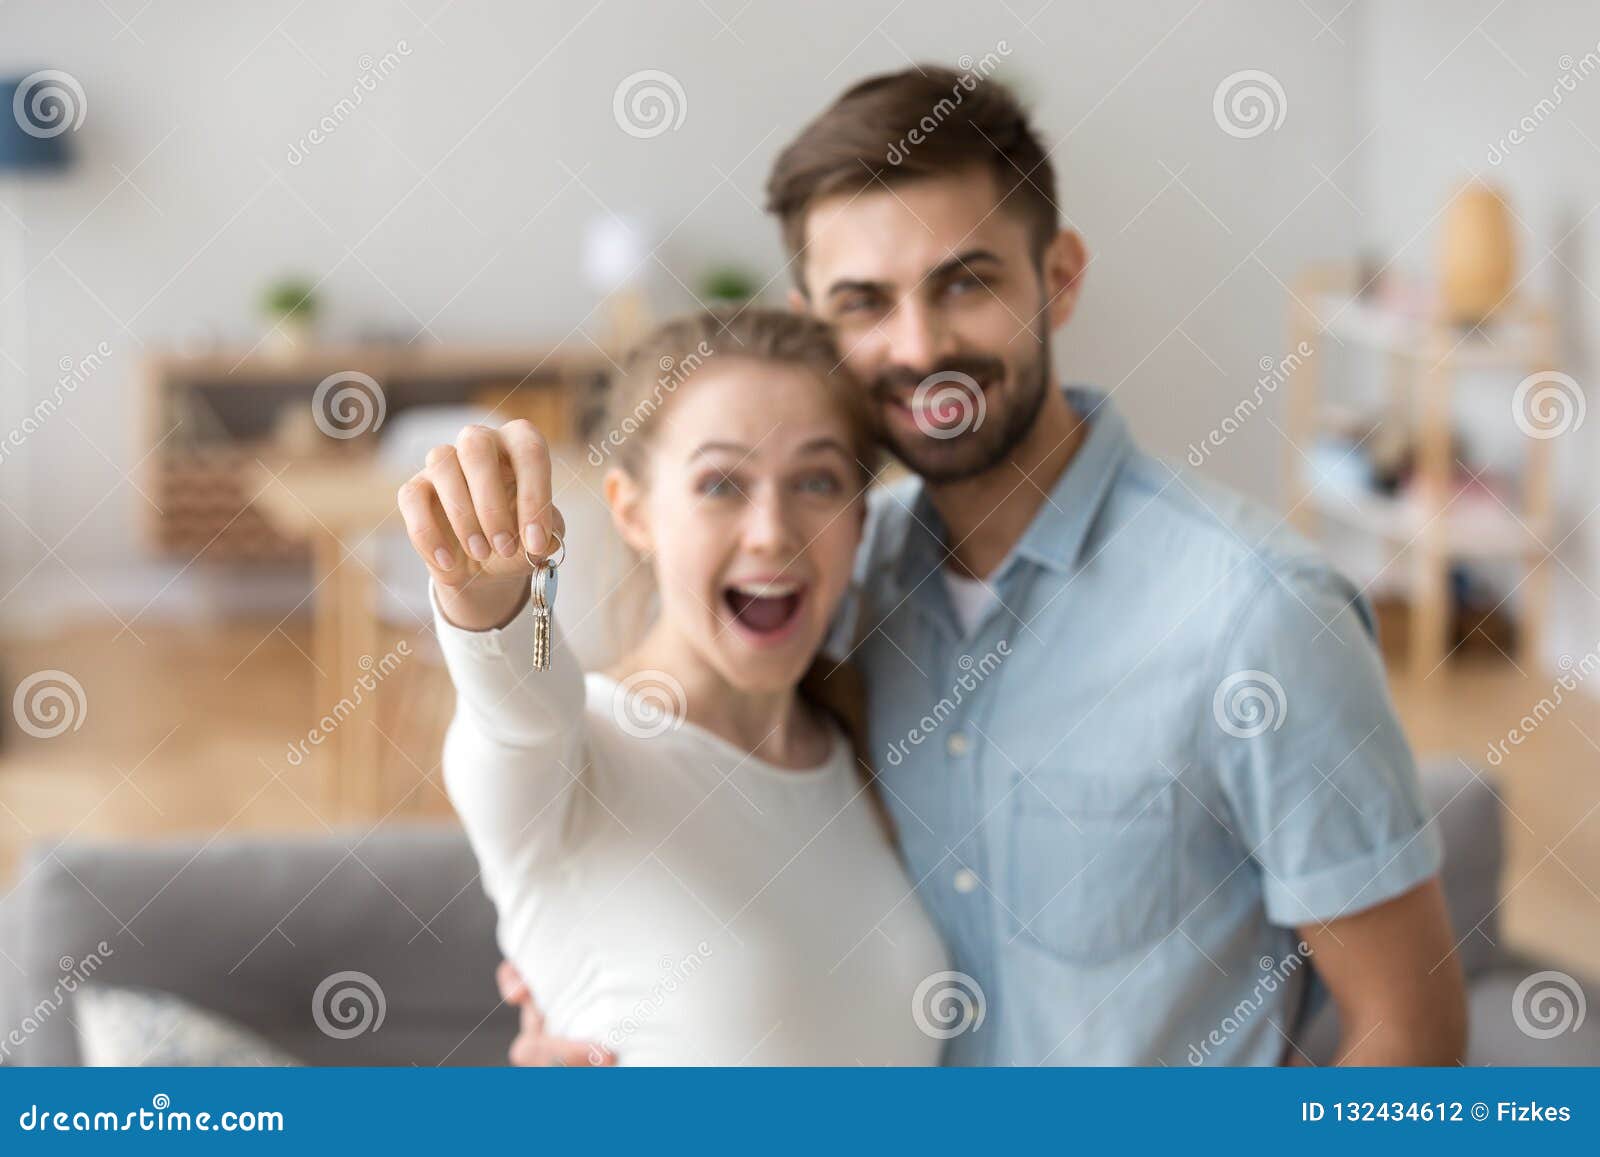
{"x": 543, "y": 596}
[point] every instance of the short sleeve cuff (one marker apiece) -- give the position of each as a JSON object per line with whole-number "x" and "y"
{"x": 1356, "y": 885}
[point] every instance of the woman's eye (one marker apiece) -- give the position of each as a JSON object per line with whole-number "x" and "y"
{"x": 718, "y": 486}
{"x": 820, "y": 484}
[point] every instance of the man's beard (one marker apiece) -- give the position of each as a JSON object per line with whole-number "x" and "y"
{"x": 1008, "y": 414}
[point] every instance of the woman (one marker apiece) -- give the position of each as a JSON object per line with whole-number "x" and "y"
{"x": 685, "y": 859}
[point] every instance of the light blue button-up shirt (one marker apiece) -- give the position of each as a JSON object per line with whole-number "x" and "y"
{"x": 1167, "y": 745}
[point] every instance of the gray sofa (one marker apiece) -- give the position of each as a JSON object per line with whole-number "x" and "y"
{"x": 249, "y": 927}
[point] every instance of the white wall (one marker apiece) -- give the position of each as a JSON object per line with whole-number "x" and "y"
{"x": 456, "y": 195}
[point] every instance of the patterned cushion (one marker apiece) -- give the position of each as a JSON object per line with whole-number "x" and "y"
{"x": 125, "y": 1027}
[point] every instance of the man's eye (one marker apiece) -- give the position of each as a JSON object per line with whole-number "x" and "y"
{"x": 856, "y": 303}
{"x": 967, "y": 284}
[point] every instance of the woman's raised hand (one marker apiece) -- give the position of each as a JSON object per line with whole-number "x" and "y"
{"x": 471, "y": 510}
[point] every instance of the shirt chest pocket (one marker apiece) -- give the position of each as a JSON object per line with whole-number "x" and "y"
{"x": 1093, "y": 863}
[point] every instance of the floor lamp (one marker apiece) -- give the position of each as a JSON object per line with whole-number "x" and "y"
{"x": 32, "y": 141}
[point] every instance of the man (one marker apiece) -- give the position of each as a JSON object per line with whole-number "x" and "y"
{"x": 1135, "y": 738}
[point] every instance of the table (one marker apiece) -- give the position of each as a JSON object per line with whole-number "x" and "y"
{"x": 337, "y": 507}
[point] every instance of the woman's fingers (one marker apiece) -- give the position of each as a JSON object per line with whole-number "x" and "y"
{"x": 427, "y": 528}
{"x": 450, "y": 484}
{"x": 530, "y": 464}
{"x": 477, "y": 503}
{"x": 513, "y": 989}
{"x": 478, "y": 452}
{"x": 545, "y": 1052}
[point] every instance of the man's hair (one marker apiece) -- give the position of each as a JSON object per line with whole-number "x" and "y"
{"x": 904, "y": 126}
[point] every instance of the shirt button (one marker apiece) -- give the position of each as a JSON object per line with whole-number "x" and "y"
{"x": 957, "y": 744}
{"x": 965, "y": 880}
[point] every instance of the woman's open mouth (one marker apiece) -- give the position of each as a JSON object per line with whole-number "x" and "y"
{"x": 765, "y": 612}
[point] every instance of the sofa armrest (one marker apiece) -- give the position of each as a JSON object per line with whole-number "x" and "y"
{"x": 250, "y": 927}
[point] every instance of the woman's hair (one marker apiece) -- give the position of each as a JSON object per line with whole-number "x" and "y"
{"x": 670, "y": 357}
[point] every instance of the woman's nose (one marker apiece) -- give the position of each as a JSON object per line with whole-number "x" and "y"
{"x": 769, "y": 526}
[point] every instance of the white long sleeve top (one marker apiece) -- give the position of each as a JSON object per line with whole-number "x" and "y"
{"x": 669, "y": 896}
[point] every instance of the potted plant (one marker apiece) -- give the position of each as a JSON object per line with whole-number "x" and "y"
{"x": 728, "y": 285}
{"x": 290, "y": 305}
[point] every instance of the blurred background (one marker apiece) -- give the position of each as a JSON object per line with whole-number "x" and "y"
{"x": 255, "y": 259}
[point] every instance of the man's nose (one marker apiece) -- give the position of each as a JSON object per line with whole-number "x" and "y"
{"x": 918, "y": 337}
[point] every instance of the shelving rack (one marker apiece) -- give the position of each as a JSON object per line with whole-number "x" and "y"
{"x": 1428, "y": 524}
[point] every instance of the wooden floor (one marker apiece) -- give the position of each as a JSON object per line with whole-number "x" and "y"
{"x": 189, "y": 731}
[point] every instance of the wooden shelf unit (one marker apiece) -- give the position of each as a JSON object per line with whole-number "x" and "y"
{"x": 1431, "y": 523}
{"x": 210, "y": 417}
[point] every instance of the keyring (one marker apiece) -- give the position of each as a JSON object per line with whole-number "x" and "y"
{"x": 560, "y": 544}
